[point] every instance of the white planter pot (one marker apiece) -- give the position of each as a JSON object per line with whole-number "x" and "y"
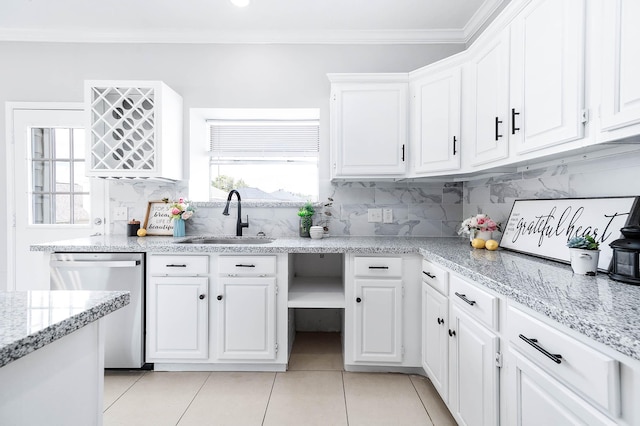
{"x": 485, "y": 235}
{"x": 584, "y": 262}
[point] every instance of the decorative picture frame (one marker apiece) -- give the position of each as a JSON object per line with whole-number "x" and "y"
{"x": 158, "y": 218}
{"x": 542, "y": 227}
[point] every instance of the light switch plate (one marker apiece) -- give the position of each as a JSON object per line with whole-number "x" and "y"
{"x": 120, "y": 213}
{"x": 387, "y": 215}
{"x": 374, "y": 215}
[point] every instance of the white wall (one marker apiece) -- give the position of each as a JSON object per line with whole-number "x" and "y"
{"x": 207, "y": 76}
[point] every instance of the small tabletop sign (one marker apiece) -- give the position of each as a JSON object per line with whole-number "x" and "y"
{"x": 543, "y": 227}
{"x": 158, "y": 220}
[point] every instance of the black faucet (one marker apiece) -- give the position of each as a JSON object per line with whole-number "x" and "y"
{"x": 239, "y": 223}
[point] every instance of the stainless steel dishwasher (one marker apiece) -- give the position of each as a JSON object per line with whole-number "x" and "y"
{"x": 124, "y": 328}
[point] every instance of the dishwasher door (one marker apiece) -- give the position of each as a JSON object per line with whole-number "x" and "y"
{"x": 124, "y": 328}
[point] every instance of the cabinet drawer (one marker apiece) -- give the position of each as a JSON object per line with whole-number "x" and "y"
{"x": 378, "y": 266}
{"x": 435, "y": 276}
{"x": 179, "y": 265}
{"x": 583, "y": 368}
{"x": 247, "y": 265}
{"x": 471, "y": 299}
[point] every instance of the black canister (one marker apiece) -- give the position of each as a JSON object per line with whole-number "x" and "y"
{"x": 625, "y": 265}
{"x": 132, "y": 228}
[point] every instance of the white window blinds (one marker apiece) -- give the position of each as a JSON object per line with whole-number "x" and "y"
{"x": 263, "y": 138}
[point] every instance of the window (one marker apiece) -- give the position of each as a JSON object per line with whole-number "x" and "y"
{"x": 268, "y": 155}
{"x": 59, "y": 188}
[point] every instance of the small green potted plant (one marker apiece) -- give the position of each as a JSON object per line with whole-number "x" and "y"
{"x": 306, "y": 213}
{"x": 585, "y": 252}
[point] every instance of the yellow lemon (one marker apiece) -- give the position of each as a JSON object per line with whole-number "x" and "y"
{"x": 477, "y": 243}
{"x": 491, "y": 245}
{"x": 142, "y": 232}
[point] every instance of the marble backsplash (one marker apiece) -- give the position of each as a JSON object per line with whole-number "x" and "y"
{"x": 419, "y": 209}
{"x": 604, "y": 177}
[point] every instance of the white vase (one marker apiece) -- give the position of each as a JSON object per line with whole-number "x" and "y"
{"x": 584, "y": 262}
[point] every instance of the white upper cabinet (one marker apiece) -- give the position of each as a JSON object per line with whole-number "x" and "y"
{"x": 488, "y": 93}
{"x": 135, "y": 130}
{"x": 369, "y": 121}
{"x": 620, "y": 104}
{"x": 435, "y": 121}
{"x": 547, "y": 75}
{"x": 527, "y": 84}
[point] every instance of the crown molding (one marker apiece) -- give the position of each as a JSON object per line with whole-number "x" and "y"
{"x": 239, "y": 37}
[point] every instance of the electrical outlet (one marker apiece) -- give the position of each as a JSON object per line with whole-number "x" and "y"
{"x": 120, "y": 213}
{"x": 374, "y": 215}
{"x": 387, "y": 215}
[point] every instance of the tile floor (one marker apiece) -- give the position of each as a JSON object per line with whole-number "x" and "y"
{"x": 315, "y": 391}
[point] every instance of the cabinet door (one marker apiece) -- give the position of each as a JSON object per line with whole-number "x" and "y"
{"x": 621, "y": 65}
{"x": 489, "y": 92}
{"x": 369, "y": 129}
{"x": 436, "y": 122}
{"x": 473, "y": 374}
{"x": 435, "y": 349}
{"x": 547, "y": 75}
{"x": 177, "y": 318}
{"x": 246, "y": 318}
{"x": 537, "y": 399}
{"x": 378, "y": 320}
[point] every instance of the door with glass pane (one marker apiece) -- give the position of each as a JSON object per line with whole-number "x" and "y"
{"x": 52, "y": 197}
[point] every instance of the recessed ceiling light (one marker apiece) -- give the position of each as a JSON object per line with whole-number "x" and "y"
{"x": 240, "y": 3}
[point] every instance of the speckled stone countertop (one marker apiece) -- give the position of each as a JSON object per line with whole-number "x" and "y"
{"x": 30, "y": 320}
{"x": 602, "y": 309}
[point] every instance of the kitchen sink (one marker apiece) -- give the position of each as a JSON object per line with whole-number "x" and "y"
{"x": 226, "y": 240}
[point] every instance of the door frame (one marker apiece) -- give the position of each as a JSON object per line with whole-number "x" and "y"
{"x": 10, "y": 109}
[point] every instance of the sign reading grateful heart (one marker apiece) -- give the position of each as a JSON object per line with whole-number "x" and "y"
{"x": 543, "y": 227}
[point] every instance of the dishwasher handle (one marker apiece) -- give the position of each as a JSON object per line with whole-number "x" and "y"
{"x": 95, "y": 263}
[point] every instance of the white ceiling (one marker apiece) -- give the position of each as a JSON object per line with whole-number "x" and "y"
{"x": 263, "y": 21}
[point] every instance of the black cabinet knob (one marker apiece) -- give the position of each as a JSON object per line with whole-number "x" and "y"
{"x": 219, "y": 297}
{"x": 358, "y": 300}
{"x": 201, "y": 296}
{"x": 452, "y": 333}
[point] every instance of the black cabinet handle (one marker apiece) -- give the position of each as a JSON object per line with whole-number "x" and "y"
{"x": 454, "y": 146}
{"x": 245, "y": 266}
{"x": 452, "y": 333}
{"x": 464, "y": 297}
{"x": 378, "y": 267}
{"x": 557, "y": 358}
{"x": 429, "y": 274}
{"x": 440, "y": 321}
{"x": 513, "y": 121}
{"x": 219, "y": 297}
{"x": 201, "y": 296}
{"x": 358, "y": 300}
{"x": 498, "y": 135}
{"x": 402, "y": 152}
{"x": 176, "y": 266}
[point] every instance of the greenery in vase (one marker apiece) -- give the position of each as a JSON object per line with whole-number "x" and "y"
{"x": 307, "y": 210}
{"x": 586, "y": 242}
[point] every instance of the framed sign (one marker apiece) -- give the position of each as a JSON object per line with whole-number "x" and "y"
{"x": 158, "y": 219}
{"x": 543, "y": 227}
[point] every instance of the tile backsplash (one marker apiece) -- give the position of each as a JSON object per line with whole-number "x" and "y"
{"x": 419, "y": 209}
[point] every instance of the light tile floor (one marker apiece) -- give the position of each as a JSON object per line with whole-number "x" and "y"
{"x": 315, "y": 391}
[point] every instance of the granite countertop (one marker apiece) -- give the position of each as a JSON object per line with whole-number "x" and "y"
{"x": 605, "y": 310}
{"x": 30, "y": 320}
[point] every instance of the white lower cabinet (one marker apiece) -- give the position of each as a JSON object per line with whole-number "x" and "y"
{"x": 538, "y": 399}
{"x": 177, "y": 318}
{"x": 473, "y": 373}
{"x": 435, "y": 339}
{"x": 246, "y": 308}
{"x": 382, "y": 311}
{"x": 246, "y": 320}
{"x": 378, "y": 320}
